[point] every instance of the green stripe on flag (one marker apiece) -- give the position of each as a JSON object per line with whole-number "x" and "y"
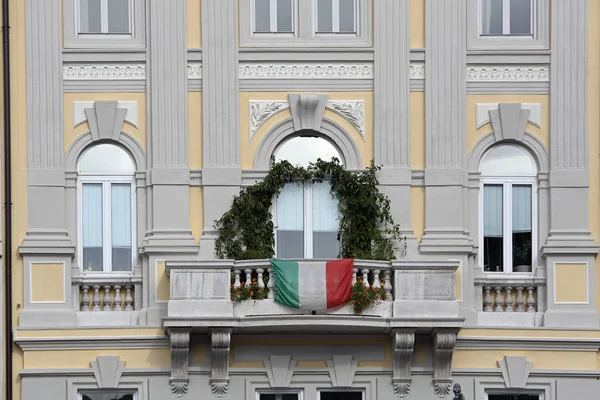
{"x": 285, "y": 275}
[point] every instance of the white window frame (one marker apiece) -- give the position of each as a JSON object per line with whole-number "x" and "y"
{"x": 305, "y": 28}
{"x": 273, "y": 20}
{"x": 73, "y": 39}
{"x": 362, "y": 392}
{"x": 307, "y": 187}
{"x": 507, "y": 183}
{"x": 106, "y": 181}
{"x": 504, "y": 393}
{"x": 335, "y": 16}
{"x": 506, "y": 20}
{"x": 104, "y": 21}
{"x": 81, "y": 392}
{"x": 539, "y": 39}
{"x": 278, "y": 393}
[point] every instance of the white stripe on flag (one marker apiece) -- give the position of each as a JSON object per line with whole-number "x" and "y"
{"x": 312, "y": 286}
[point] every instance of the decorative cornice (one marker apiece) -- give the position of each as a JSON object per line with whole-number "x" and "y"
{"x": 500, "y": 73}
{"x": 306, "y": 70}
{"x": 417, "y": 71}
{"x": 92, "y": 343}
{"x": 117, "y": 72}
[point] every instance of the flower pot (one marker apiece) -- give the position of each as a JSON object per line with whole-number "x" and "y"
{"x": 523, "y": 268}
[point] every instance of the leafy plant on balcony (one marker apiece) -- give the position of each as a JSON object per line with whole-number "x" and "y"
{"x": 363, "y": 297}
{"x": 366, "y": 227}
{"x": 245, "y": 292}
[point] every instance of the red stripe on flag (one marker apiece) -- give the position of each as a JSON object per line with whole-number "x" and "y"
{"x": 339, "y": 281}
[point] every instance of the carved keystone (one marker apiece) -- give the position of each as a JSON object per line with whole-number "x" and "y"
{"x": 509, "y": 121}
{"x": 180, "y": 347}
{"x": 108, "y": 370}
{"x": 105, "y": 120}
{"x": 307, "y": 110}
{"x": 443, "y": 350}
{"x": 403, "y": 345}
{"x": 219, "y": 374}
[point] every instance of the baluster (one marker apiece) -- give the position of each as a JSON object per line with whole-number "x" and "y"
{"x": 520, "y": 299}
{"x": 376, "y": 282}
{"x": 365, "y": 274}
{"x": 128, "y": 298}
{"x": 388, "y": 285}
{"x": 248, "y": 277}
{"x": 498, "y": 290}
{"x": 271, "y": 284}
{"x": 354, "y": 280}
{"x": 530, "y": 300}
{"x": 236, "y": 281}
{"x": 96, "y": 298}
{"x": 118, "y": 300}
{"x": 509, "y": 300}
{"x": 261, "y": 282}
{"x": 487, "y": 299}
{"x": 107, "y": 299}
{"x": 85, "y": 298}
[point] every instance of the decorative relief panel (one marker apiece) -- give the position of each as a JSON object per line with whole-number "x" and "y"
{"x": 194, "y": 71}
{"x": 491, "y": 73}
{"x": 351, "y": 110}
{"x": 306, "y": 71}
{"x": 116, "y": 72}
{"x": 417, "y": 71}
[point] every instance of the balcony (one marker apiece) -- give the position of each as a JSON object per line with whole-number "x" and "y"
{"x": 420, "y": 295}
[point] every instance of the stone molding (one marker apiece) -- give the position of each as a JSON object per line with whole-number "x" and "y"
{"x": 117, "y": 72}
{"x": 500, "y": 73}
{"x": 306, "y": 70}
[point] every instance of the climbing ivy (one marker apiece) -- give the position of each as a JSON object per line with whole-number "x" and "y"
{"x": 366, "y": 229}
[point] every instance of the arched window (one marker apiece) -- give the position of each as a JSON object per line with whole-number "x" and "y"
{"x": 106, "y": 211}
{"x": 306, "y": 213}
{"x": 508, "y": 209}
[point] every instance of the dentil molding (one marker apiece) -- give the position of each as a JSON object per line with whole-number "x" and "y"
{"x": 352, "y": 111}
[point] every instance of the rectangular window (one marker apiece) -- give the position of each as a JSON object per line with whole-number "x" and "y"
{"x": 513, "y": 397}
{"x": 107, "y": 395}
{"x": 307, "y": 221}
{"x": 330, "y": 395}
{"x": 273, "y": 16}
{"x": 507, "y": 227}
{"x": 105, "y": 17}
{"x": 279, "y": 396}
{"x": 507, "y": 17}
{"x": 336, "y": 16}
{"x": 106, "y": 226}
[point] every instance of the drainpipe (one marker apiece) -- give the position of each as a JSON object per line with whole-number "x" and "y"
{"x": 7, "y": 204}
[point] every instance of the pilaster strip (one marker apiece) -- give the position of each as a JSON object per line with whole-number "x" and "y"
{"x": 445, "y": 90}
{"x": 220, "y": 116}
{"x": 392, "y": 73}
{"x": 167, "y": 79}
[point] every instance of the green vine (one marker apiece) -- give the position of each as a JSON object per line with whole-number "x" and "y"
{"x": 366, "y": 230}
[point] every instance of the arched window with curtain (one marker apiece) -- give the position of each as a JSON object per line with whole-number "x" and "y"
{"x": 508, "y": 209}
{"x": 306, "y": 213}
{"x": 106, "y": 209}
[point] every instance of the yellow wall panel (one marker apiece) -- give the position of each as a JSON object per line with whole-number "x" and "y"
{"x": 72, "y": 133}
{"x": 248, "y": 148}
{"x": 417, "y": 24}
{"x": 196, "y": 212}
{"x": 580, "y": 360}
{"x": 474, "y": 134}
{"x": 134, "y": 358}
{"x": 163, "y": 288}
{"x": 417, "y": 211}
{"x": 417, "y": 130}
{"x": 194, "y": 24}
{"x": 571, "y": 283}
{"x": 195, "y": 129}
{"x": 48, "y": 282}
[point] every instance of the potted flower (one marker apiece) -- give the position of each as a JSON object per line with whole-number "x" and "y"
{"x": 522, "y": 254}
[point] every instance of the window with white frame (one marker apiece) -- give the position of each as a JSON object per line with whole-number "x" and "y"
{"x": 340, "y": 395}
{"x": 512, "y": 397}
{"x": 507, "y": 17}
{"x": 336, "y": 16}
{"x": 106, "y": 210}
{"x": 105, "y": 17}
{"x": 278, "y": 396}
{"x": 107, "y": 395}
{"x": 306, "y": 213}
{"x": 508, "y": 209}
{"x": 273, "y": 16}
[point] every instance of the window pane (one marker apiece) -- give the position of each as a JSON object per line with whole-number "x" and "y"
{"x": 325, "y": 221}
{"x": 347, "y": 17}
{"x": 118, "y": 16}
{"x": 491, "y": 17}
{"x": 302, "y": 150}
{"x": 106, "y": 159}
{"x": 341, "y": 395}
{"x": 290, "y": 222}
{"x": 90, "y": 13}
{"x": 121, "y": 226}
{"x": 268, "y": 397}
{"x": 325, "y": 16}
{"x": 512, "y": 397}
{"x": 289, "y": 396}
{"x": 493, "y": 243}
{"x": 262, "y": 16}
{"x": 107, "y": 396}
{"x": 92, "y": 226}
{"x": 520, "y": 17}
{"x": 521, "y": 226}
{"x": 284, "y": 16}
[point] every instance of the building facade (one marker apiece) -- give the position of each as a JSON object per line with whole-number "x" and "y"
{"x": 135, "y": 122}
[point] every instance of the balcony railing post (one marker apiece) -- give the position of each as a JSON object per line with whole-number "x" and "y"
{"x": 388, "y": 285}
{"x": 271, "y": 284}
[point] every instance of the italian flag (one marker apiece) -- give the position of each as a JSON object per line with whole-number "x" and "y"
{"x": 312, "y": 285}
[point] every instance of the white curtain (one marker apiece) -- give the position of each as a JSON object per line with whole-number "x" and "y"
{"x": 521, "y": 208}
{"x": 92, "y": 214}
{"x": 290, "y": 208}
{"x": 492, "y": 210}
{"x": 121, "y": 214}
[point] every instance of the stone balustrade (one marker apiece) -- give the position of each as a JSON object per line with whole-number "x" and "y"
{"x": 510, "y": 294}
{"x": 99, "y": 292}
